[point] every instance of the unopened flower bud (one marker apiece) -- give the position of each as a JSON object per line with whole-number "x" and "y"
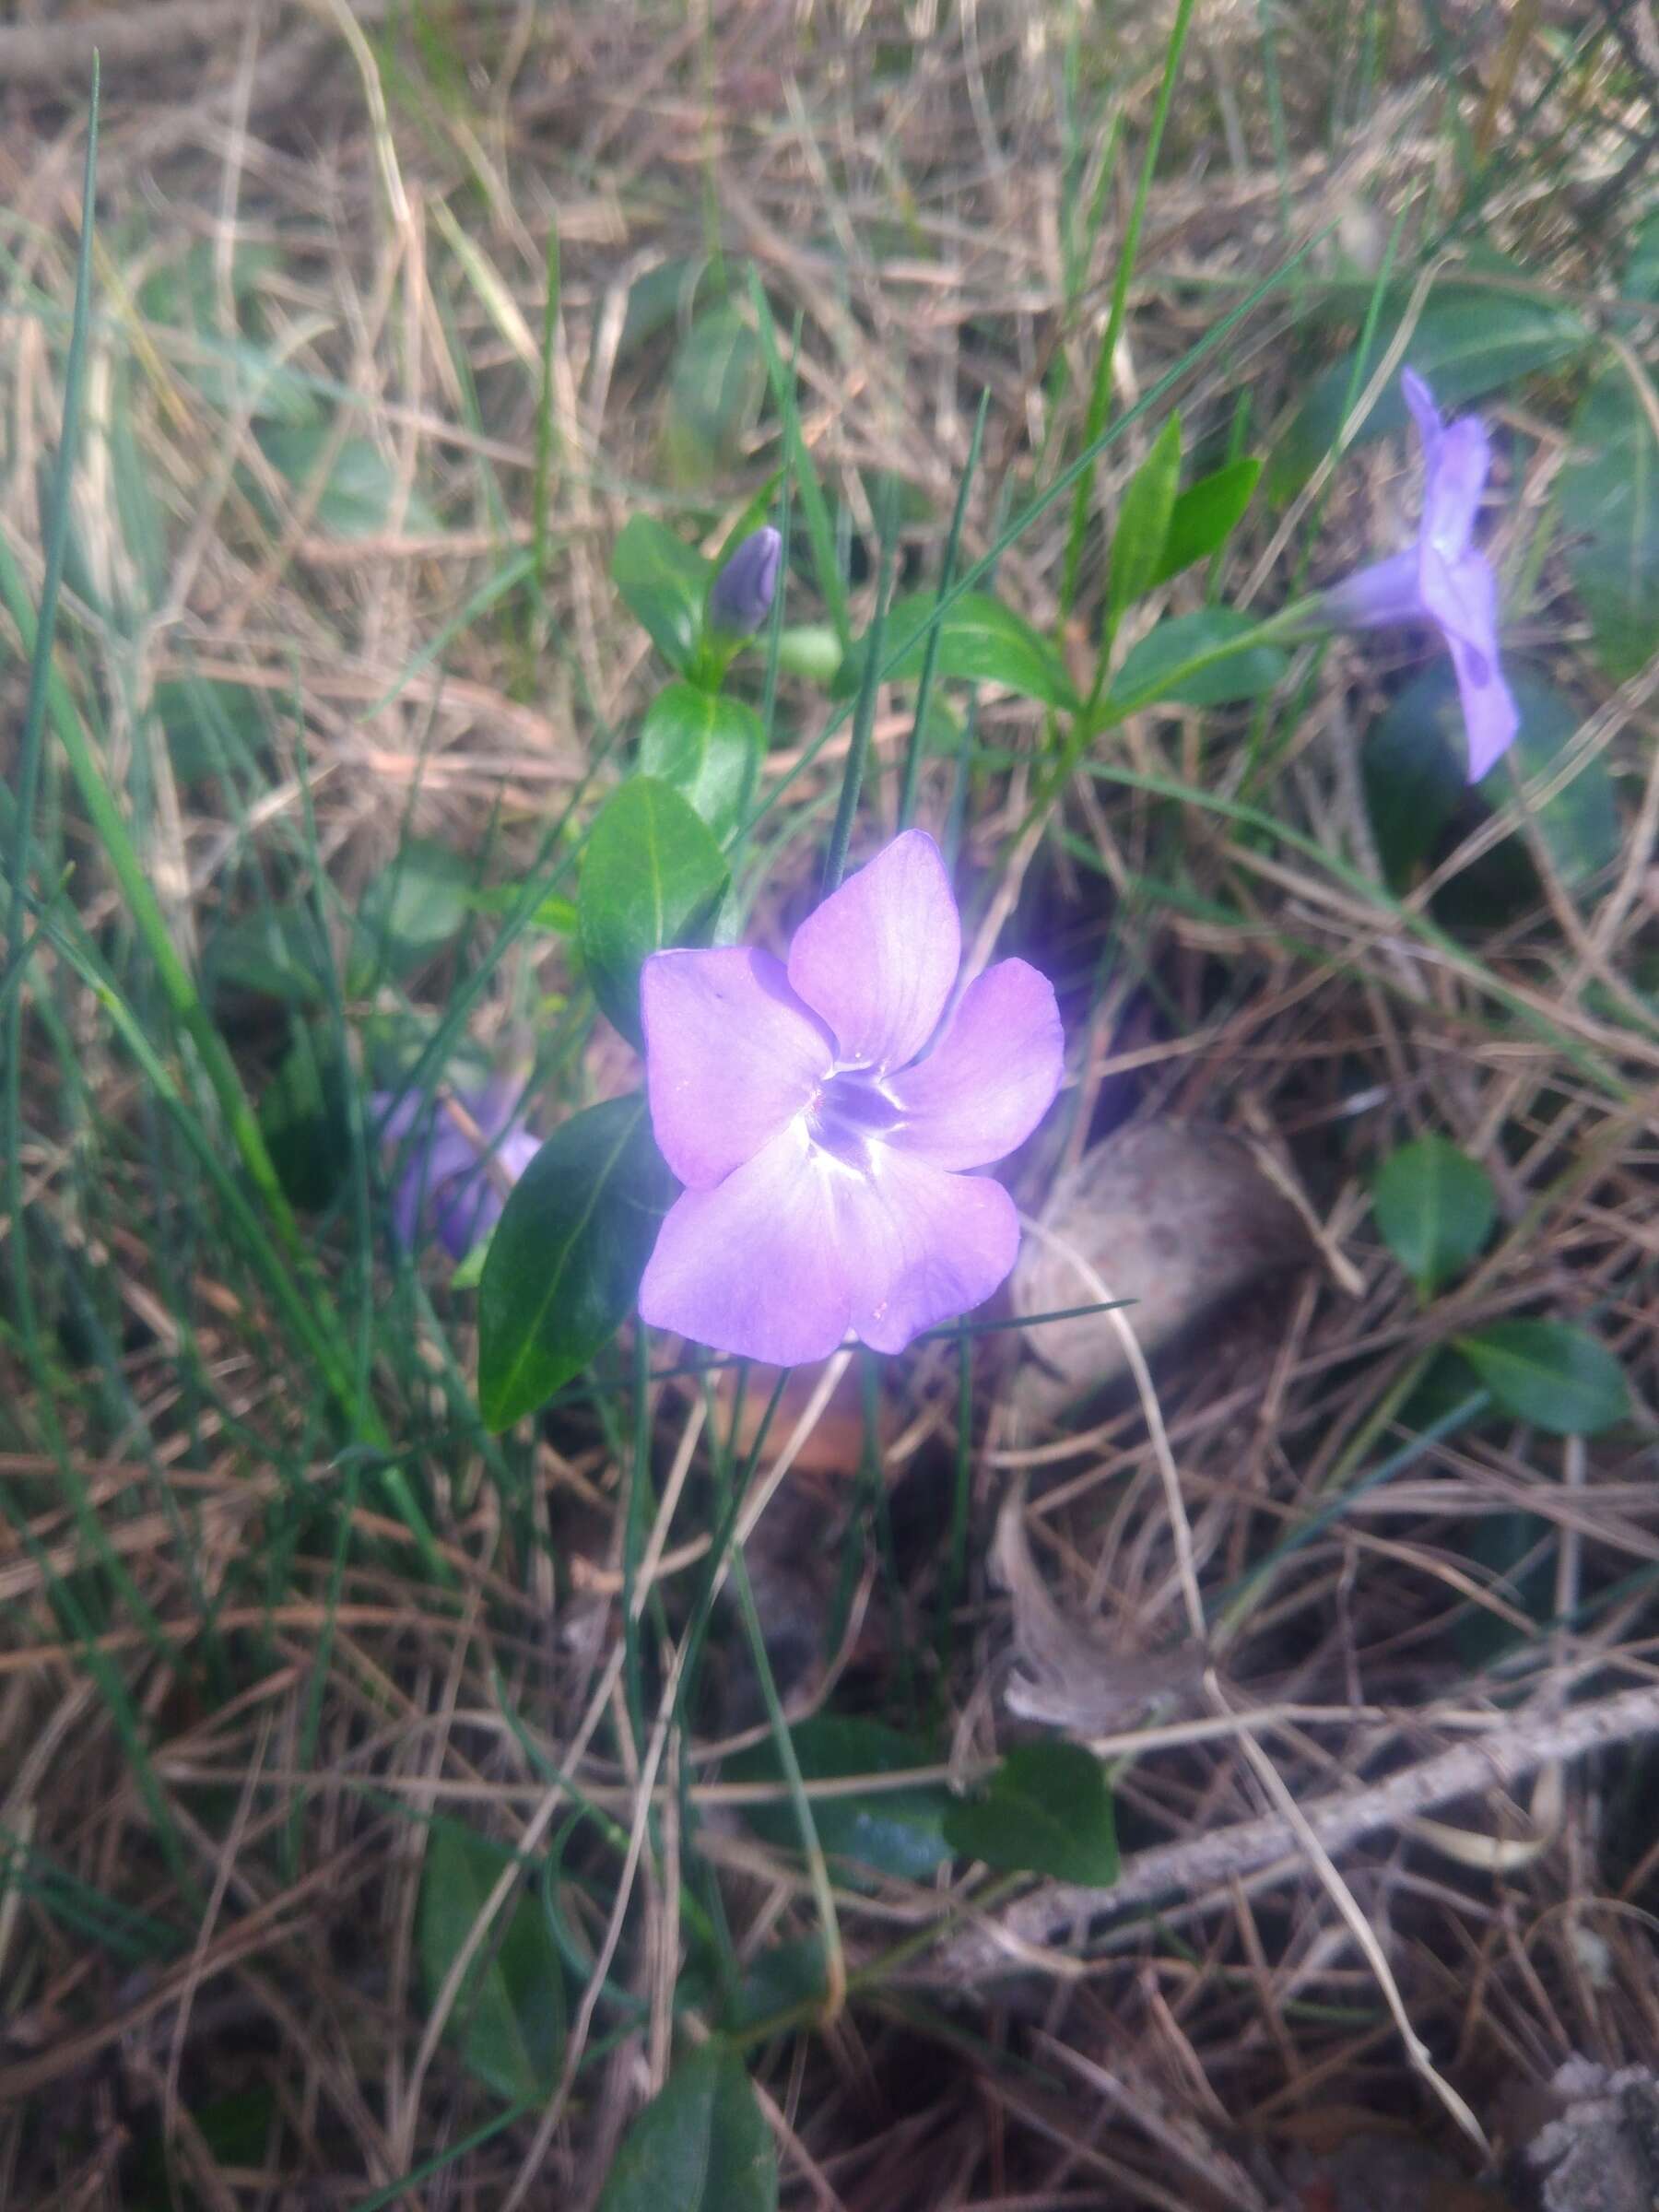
{"x": 742, "y": 597}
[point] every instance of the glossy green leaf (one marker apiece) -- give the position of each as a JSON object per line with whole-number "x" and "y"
{"x": 701, "y": 2145}
{"x": 1547, "y": 1372}
{"x": 813, "y": 652}
{"x": 567, "y": 1255}
{"x": 1143, "y": 523}
{"x": 652, "y": 877}
{"x": 1609, "y": 492}
{"x": 714, "y": 396}
{"x": 706, "y": 744}
{"x": 361, "y": 491}
{"x": 1470, "y": 339}
{"x": 979, "y": 641}
{"x": 1046, "y": 1809}
{"x": 663, "y": 583}
{"x": 1152, "y": 670}
{"x": 409, "y": 913}
{"x": 898, "y": 1832}
{"x": 509, "y": 2016}
{"x": 1206, "y": 515}
{"x": 1435, "y": 1207}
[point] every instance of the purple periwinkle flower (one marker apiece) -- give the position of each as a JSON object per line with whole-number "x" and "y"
{"x": 822, "y": 1154}
{"x": 1442, "y": 580}
{"x": 449, "y": 1184}
{"x": 742, "y": 597}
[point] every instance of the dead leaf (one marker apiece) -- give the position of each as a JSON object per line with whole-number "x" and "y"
{"x": 1174, "y": 1215}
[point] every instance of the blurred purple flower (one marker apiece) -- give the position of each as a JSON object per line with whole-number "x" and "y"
{"x": 742, "y": 597}
{"x": 1441, "y": 580}
{"x": 447, "y": 1187}
{"x": 821, "y": 1155}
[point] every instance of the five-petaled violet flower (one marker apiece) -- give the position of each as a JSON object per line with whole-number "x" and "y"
{"x": 449, "y": 1184}
{"x": 1442, "y": 580}
{"x": 823, "y": 1154}
{"x": 742, "y": 594}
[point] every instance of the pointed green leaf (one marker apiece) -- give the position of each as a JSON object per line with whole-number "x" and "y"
{"x": 708, "y": 747}
{"x": 663, "y": 584}
{"x": 409, "y": 913}
{"x": 1159, "y": 667}
{"x": 979, "y": 641}
{"x": 1435, "y": 1207}
{"x": 1206, "y": 515}
{"x": 896, "y": 1831}
{"x": 509, "y": 2016}
{"x": 1610, "y": 512}
{"x": 361, "y": 489}
{"x": 1469, "y": 341}
{"x": 701, "y": 2145}
{"x": 567, "y": 1255}
{"x": 1143, "y": 523}
{"x": 652, "y": 877}
{"x": 1549, "y": 1373}
{"x": 714, "y": 395}
{"x": 1046, "y": 1810}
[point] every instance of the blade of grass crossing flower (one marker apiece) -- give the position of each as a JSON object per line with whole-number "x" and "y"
{"x": 1101, "y": 397}
{"x": 913, "y": 754}
{"x": 819, "y": 532}
{"x": 863, "y": 718}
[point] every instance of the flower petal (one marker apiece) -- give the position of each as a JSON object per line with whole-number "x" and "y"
{"x": 919, "y": 1246}
{"x": 1462, "y": 599}
{"x": 1388, "y": 591}
{"x": 878, "y": 960}
{"x": 1424, "y": 413}
{"x": 731, "y": 1057}
{"x": 753, "y": 1267}
{"x": 991, "y": 1077}
{"x": 1455, "y": 481}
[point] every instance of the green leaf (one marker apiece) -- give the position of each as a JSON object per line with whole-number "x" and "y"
{"x": 979, "y": 641}
{"x": 302, "y": 1119}
{"x": 708, "y": 747}
{"x": 1642, "y": 270}
{"x": 1151, "y": 669}
{"x": 652, "y": 877}
{"x": 663, "y": 584}
{"x": 210, "y": 726}
{"x": 1580, "y": 824}
{"x": 1549, "y": 1373}
{"x": 812, "y": 651}
{"x": 1412, "y": 767}
{"x": 1435, "y": 1208}
{"x": 567, "y": 1255}
{"x": 1143, "y": 524}
{"x": 701, "y": 2145}
{"x": 277, "y": 952}
{"x": 1047, "y": 1810}
{"x": 1610, "y": 511}
{"x": 1469, "y": 341}
{"x": 360, "y": 491}
{"x": 509, "y": 2016}
{"x": 409, "y": 913}
{"x": 714, "y": 395}
{"x": 1205, "y": 516}
{"x": 898, "y": 1831}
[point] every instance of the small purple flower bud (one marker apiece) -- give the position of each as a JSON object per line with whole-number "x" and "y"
{"x": 742, "y": 597}
{"x": 452, "y": 1185}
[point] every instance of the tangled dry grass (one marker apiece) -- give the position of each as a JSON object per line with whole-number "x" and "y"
{"x": 1389, "y": 1856}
